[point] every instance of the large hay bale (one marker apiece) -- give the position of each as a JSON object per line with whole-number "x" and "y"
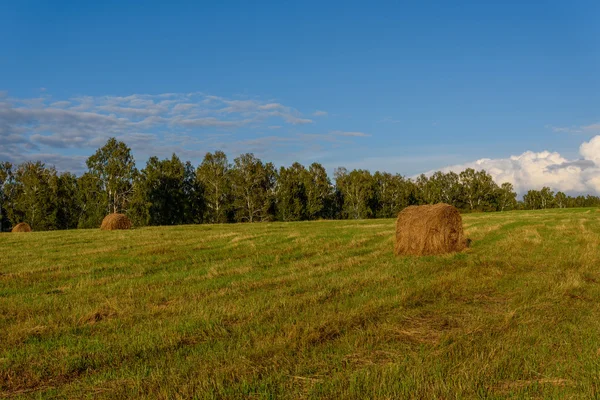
{"x": 115, "y": 221}
{"x": 429, "y": 230}
{"x": 21, "y": 227}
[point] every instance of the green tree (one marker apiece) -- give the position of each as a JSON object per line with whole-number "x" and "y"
{"x": 358, "y": 192}
{"x": 443, "y": 188}
{"x": 424, "y": 193}
{"x": 253, "y": 185}
{"x": 478, "y": 189}
{"x": 92, "y": 199}
{"x": 115, "y": 166}
{"x": 546, "y": 198}
{"x": 560, "y": 200}
{"x": 393, "y": 193}
{"x": 290, "y": 193}
{"x": 35, "y": 196}
{"x": 138, "y": 209}
{"x": 592, "y": 201}
{"x": 506, "y": 197}
{"x": 68, "y": 208}
{"x": 579, "y": 201}
{"x": 6, "y": 183}
{"x": 318, "y": 192}
{"x": 194, "y": 196}
{"x": 214, "y": 177}
{"x": 532, "y": 200}
{"x": 162, "y": 185}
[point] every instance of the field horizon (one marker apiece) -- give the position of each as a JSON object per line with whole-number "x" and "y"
{"x": 314, "y": 309}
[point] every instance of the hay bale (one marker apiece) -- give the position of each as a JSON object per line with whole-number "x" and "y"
{"x": 21, "y": 227}
{"x": 429, "y": 230}
{"x": 115, "y": 221}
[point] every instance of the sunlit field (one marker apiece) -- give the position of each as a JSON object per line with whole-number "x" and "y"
{"x": 303, "y": 310}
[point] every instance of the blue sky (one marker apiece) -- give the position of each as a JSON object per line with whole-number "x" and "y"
{"x": 405, "y": 87}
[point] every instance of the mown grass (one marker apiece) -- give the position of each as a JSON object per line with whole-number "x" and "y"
{"x": 303, "y": 310}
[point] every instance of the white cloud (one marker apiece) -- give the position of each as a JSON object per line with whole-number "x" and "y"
{"x": 272, "y": 106}
{"x": 565, "y": 129}
{"x": 132, "y": 111}
{"x": 592, "y": 128}
{"x": 80, "y": 121}
{"x": 60, "y": 104}
{"x": 295, "y": 120}
{"x": 591, "y": 150}
{"x": 208, "y": 122}
{"x": 181, "y": 107}
{"x": 532, "y": 170}
{"x": 320, "y": 113}
{"x": 66, "y": 131}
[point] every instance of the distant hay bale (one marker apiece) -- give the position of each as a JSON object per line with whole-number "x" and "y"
{"x": 21, "y": 227}
{"x": 115, "y": 221}
{"x": 429, "y": 230}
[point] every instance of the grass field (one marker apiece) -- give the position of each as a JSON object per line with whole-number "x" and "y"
{"x": 303, "y": 310}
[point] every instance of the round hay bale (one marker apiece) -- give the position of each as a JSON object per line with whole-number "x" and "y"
{"x": 115, "y": 221}
{"x": 21, "y": 227}
{"x": 429, "y": 230}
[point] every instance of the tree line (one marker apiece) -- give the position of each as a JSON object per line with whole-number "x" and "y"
{"x": 171, "y": 192}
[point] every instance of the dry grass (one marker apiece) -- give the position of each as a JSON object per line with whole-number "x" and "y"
{"x": 116, "y": 221}
{"x": 21, "y": 227}
{"x": 429, "y": 230}
{"x": 184, "y": 312}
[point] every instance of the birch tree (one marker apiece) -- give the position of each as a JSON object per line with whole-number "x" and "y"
{"x": 253, "y": 188}
{"x": 358, "y": 191}
{"x": 35, "y": 196}
{"x": 318, "y": 192}
{"x": 6, "y": 180}
{"x": 115, "y": 166}
{"x": 214, "y": 177}
{"x": 506, "y": 197}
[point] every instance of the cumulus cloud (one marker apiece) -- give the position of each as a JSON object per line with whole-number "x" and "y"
{"x": 591, "y": 150}
{"x": 532, "y": 170}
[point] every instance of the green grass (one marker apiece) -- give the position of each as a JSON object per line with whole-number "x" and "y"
{"x": 303, "y": 310}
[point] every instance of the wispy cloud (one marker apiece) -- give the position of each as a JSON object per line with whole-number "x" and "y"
{"x": 320, "y": 113}
{"x": 350, "y": 134}
{"x": 60, "y": 104}
{"x": 66, "y": 131}
{"x": 592, "y": 128}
